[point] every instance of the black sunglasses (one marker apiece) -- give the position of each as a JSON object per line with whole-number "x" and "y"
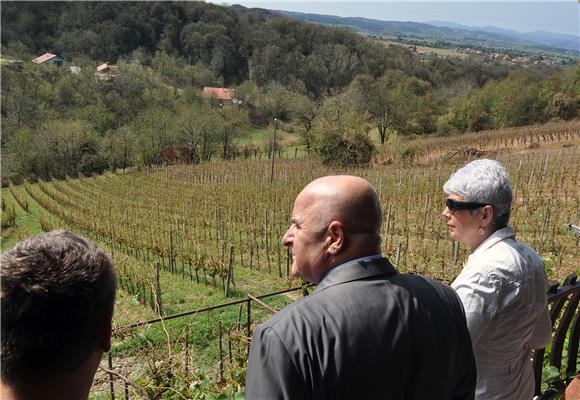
{"x": 455, "y": 205}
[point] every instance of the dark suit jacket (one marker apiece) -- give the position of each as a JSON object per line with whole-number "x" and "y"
{"x": 367, "y": 332}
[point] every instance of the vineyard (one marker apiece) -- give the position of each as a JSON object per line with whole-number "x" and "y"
{"x": 187, "y": 237}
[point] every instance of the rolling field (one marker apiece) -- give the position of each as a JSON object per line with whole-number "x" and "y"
{"x": 185, "y": 237}
{"x": 427, "y": 49}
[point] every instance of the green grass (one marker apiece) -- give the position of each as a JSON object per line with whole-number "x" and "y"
{"x": 257, "y": 135}
{"x": 261, "y": 136}
{"x": 427, "y": 49}
{"x": 181, "y": 294}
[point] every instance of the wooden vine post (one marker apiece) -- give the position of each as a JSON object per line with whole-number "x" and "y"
{"x": 221, "y": 353}
{"x": 158, "y": 307}
{"x": 230, "y": 272}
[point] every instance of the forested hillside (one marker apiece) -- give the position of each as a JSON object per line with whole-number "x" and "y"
{"x": 330, "y": 85}
{"x": 228, "y": 45}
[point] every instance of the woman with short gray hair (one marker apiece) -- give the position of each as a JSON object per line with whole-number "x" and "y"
{"x": 503, "y": 284}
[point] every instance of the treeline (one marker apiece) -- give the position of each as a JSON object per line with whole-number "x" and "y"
{"x": 56, "y": 123}
{"x": 335, "y": 87}
{"x": 216, "y": 44}
{"x": 522, "y": 98}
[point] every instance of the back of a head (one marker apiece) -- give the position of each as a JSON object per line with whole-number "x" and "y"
{"x": 354, "y": 202}
{"x": 58, "y": 293}
{"x": 349, "y": 199}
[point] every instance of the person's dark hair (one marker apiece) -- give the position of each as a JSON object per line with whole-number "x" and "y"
{"x": 58, "y": 293}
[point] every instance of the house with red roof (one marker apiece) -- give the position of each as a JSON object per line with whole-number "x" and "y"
{"x": 225, "y": 94}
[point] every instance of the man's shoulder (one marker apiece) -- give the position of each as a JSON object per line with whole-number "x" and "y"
{"x": 307, "y": 312}
{"x": 396, "y": 290}
{"x": 415, "y": 282}
{"x": 423, "y": 287}
{"x": 294, "y": 313}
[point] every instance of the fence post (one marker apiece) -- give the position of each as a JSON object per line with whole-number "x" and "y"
{"x": 239, "y": 325}
{"x": 248, "y": 321}
{"x": 186, "y": 361}
{"x": 230, "y": 273}
{"x": 279, "y": 260}
{"x": 455, "y": 252}
{"x": 398, "y": 256}
{"x": 288, "y": 257}
{"x": 171, "y": 261}
{"x": 388, "y": 227}
{"x": 144, "y": 291}
{"x": 230, "y": 357}
{"x": 111, "y": 386}
{"x": 251, "y": 255}
{"x": 221, "y": 366}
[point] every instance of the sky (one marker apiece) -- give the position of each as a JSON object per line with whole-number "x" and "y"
{"x": 521, "y": 16}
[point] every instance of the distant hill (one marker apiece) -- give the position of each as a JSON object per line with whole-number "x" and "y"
{"x": 450, "y": 31}
{"x": 552, "y": 39}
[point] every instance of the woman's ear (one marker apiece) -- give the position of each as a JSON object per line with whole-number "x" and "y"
{"x": 486, "y": 215}
{"x": 336, "y": 235}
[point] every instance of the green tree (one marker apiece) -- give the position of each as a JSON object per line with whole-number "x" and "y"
{"x": 383, "y": 99}
{"x": 116, "y": 147}
{"x": 347, "y": 143}
{"x": 154, "y": 130}
{"x": 232, "y": 123}
{"x": 341, "y": 134}
{"x": 58, "y": 149}
{"x": 197, "y": 131}
{"x": 305, "y": 111}
{"x": 516, "y": 101}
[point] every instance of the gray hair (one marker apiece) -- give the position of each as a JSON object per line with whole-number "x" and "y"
{"x": 484, "y": 181}
{"x": 58, "y": 293}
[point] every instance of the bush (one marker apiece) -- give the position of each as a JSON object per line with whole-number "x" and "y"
{"x": 336, "y": 149}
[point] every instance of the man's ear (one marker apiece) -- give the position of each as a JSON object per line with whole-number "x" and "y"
{"x": 107, "y": 333}
{"x": 336, "y": 234}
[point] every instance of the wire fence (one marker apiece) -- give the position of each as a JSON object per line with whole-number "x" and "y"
{"x": 204, "y": 353}
{"x": 182, "y": 363}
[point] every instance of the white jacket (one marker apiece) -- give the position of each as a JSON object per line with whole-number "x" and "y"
{"x": 503, "y": 289}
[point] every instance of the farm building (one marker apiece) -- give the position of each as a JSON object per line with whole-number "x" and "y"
{"x": 106, "y": 71}
{"x": 221, "y": 94}
{"x": 48, "y": 59}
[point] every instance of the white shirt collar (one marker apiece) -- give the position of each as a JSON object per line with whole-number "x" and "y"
{"x": 494, "y": 238}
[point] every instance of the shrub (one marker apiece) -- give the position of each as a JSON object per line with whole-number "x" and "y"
{"x": 341, "y": 150}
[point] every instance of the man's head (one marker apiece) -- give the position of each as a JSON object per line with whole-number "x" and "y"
{"x": 57, "y": 298}
{"x": 335, "y": 219}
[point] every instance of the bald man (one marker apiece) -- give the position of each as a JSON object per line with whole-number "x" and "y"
{"x": 367, "y": 332}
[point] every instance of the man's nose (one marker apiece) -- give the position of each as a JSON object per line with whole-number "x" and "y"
{"x": 287, "y": 239}
{"x": 446, "y": 213}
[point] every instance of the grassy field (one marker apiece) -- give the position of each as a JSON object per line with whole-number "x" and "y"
{"x": 187, "y": 219}
{"x": 261, "y": 138}
{"x": 436, "y": 50}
